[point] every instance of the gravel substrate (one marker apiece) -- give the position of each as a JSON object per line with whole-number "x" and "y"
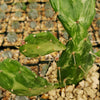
{"x": 87, "y": 89}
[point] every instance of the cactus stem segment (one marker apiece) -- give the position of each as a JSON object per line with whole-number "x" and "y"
{"x": 59, "y": 74}
{"x": 82, "y": 69}
{"x": 76, "y": 24}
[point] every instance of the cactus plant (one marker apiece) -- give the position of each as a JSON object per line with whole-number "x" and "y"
{"x": 15, "y": 25}
{"x": 18, "y": 14}
{"x": 49, "y": 24}
{"x": 33, "y": 24}
{"x": 99, "y": 33}
{"x": 98, "y": 23}
{"x": 21, "y": 81}
{"x": 65, "y": 35}
{"x": 21, "y": 98}
{"x": 33, "y": 5}
{"x": 0, "y": 26}
{"x": 49, "y": 13}
{"x": 97, "y": 15}
{"x": 48, "y": 5}
{"x": 37, "y": 45}
{"x": 44, "y": 69}
{"x": 21, "y": 6}
{"x": 7, "y": 54}
{"x": 33, "y": 13}
{"x": 7, "y": 0}
{"x": 11, "y": 37}
{"x": 75, "y": 61}
{"x": 2, "y": 15}
{"x": 76, "y": 17}
{"x": 3, "y": 6}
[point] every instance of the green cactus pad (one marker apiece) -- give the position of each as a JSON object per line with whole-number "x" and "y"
{"x": 76, "y": 17}
{"x": 74, "y": 13}
{"x": 21, "y": 81}
{"x": 41, "y": 44}
{"x": 70, "y": 63}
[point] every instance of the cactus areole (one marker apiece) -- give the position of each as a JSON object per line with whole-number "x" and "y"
{"x": 76, "y": 17}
